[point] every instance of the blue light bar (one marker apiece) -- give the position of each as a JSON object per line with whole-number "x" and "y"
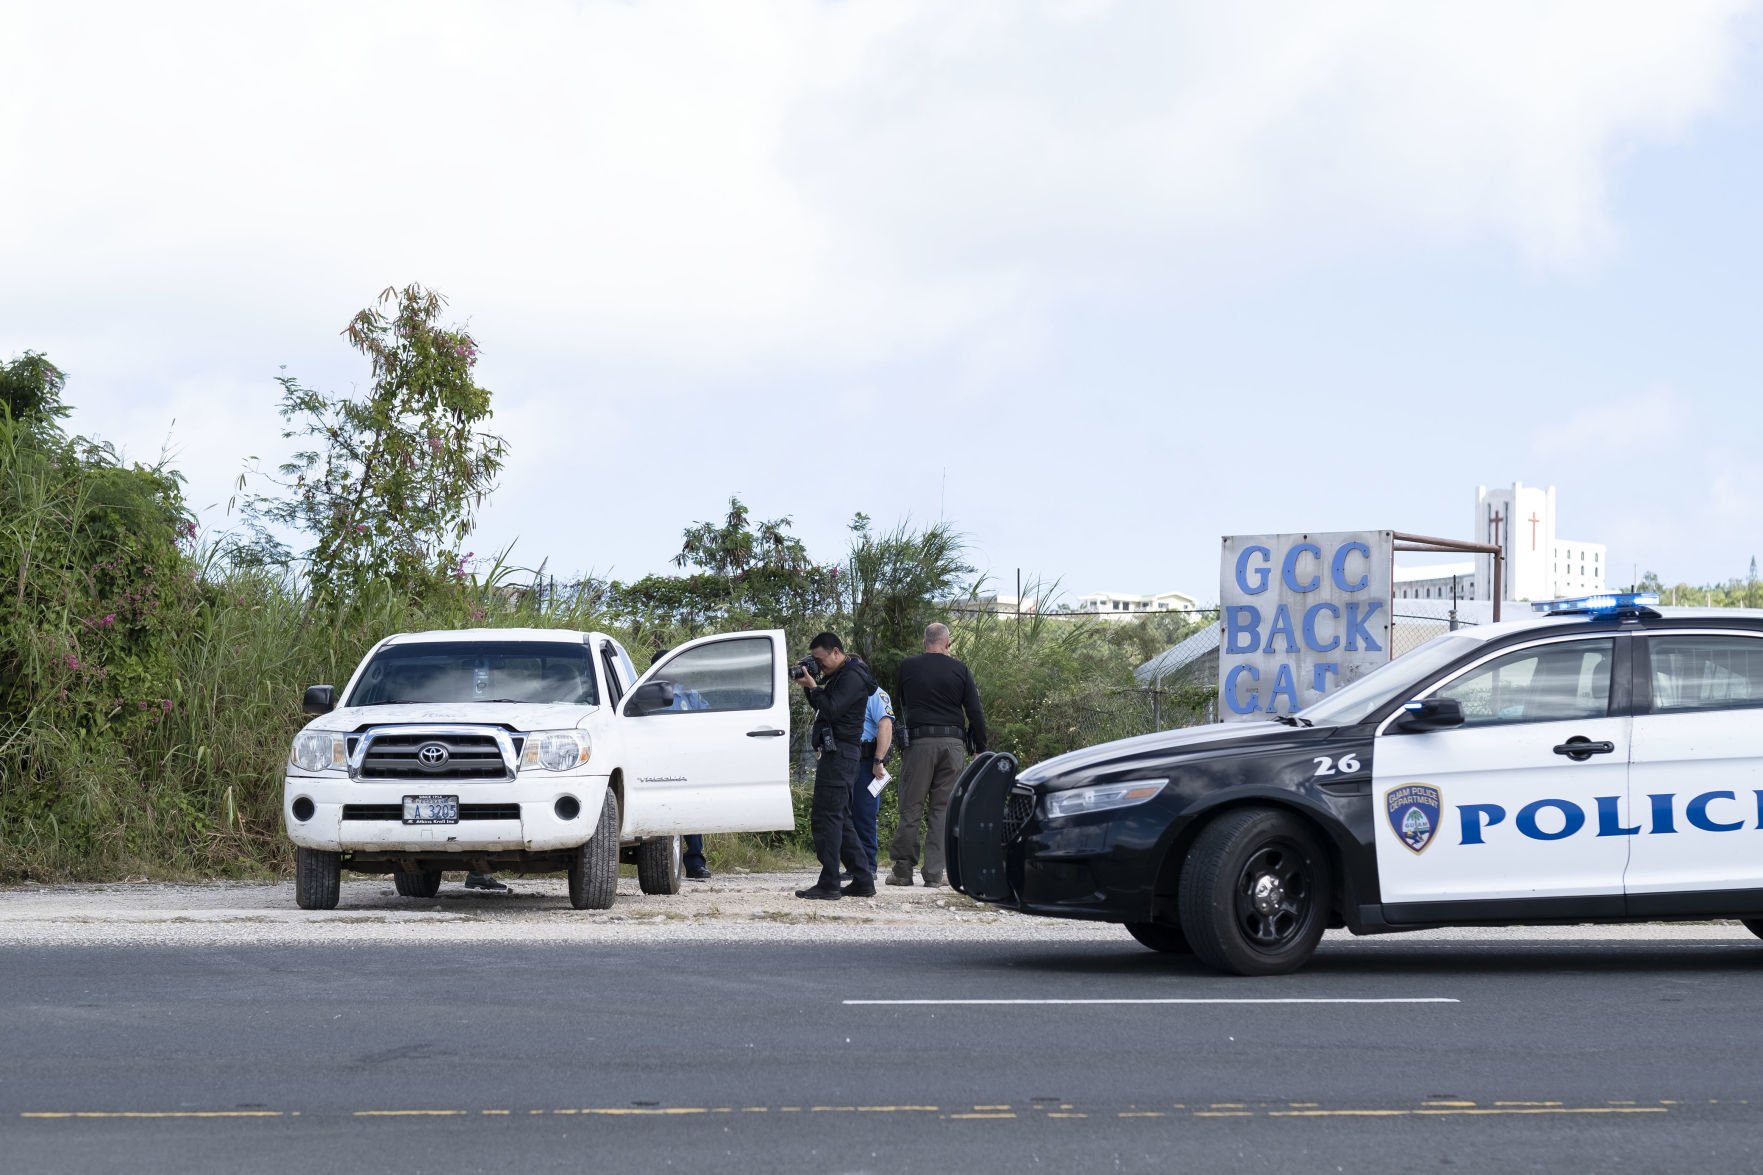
{"x": 1606, "y": 603}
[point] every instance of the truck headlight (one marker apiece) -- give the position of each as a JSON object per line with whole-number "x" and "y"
{"x": 556, "y": 750}
{"x": 1102, "y": 797}
{"x": 319, "y": 750}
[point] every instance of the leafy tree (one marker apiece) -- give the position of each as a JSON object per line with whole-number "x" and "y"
{"x": 743, "y": 574}
{"x": 390, "y": 488}
{"x": 900, "y": 581}
{"x": 30, "y": 391}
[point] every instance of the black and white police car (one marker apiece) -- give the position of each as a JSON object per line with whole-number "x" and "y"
{"x": 1601, "y": 763}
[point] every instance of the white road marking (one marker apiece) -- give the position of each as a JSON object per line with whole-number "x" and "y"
{"x": 1221, "y": 1000}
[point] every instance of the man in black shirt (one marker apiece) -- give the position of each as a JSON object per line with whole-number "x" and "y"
{"x": 943, "y": 718}
{"x": 838, "y": 700}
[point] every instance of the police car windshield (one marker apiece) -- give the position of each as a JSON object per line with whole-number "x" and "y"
{"x": 1353, "y": 702}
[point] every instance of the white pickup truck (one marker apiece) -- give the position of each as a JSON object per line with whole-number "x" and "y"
{"x": 536, "y": 750}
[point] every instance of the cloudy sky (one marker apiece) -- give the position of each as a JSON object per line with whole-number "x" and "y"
{"x": 1096, "y": 282}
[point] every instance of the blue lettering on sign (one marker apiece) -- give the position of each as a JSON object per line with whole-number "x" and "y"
{"x": 1265, "y": 570}
{"x": 1284, "y": 685}
{"x": 1319, "y": 675}
{"x": 1475, "y": 819}
{"x": 1338, "y": 571}
{"x": 1281, "y": 626}
{"x": 1289, "y": 569}
{"x": 1242, "y": 621}
{"x": 1356, "y": 630}
{"x": 1311, "y": 640}
{"x": 1233, "y": 699}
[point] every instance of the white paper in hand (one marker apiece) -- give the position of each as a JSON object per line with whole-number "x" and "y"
{"x": 879, "y": 782}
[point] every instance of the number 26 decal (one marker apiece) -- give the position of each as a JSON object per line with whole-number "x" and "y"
{"x": 1346, "y": 765}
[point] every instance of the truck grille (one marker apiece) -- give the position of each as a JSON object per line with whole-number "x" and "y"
{"x": 1018, "y": 807}
{"x": 468, "y": 757}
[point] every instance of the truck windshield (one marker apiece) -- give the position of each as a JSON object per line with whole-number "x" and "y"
{"x": 1355, "y": 701}
{"x": 477, "y": 671}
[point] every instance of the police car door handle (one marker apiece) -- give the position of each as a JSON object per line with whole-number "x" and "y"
{"x": 1580, "y": 748}
{"x": 765, "y": 732}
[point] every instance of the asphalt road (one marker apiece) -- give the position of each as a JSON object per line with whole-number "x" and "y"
{"x": 1485, "y": 1055}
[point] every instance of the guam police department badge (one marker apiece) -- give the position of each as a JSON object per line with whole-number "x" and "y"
{"x": 1414, "y": 814}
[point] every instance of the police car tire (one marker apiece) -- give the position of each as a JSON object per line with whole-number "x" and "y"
{"x": 1219, "y": 874}
{"x": 659, "y": 865}
{"x": 1161, "y": 937}
{"x": 1754, "y": 925}
{"x": 318, "y": 879}
{"x": 420, "y": 883}
{"x": 593, "y": 868}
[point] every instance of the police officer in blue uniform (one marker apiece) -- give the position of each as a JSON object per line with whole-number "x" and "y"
{"x": 878, "y": 740}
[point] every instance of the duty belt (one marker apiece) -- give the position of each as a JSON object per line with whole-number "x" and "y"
{"x": 938, "y": 732}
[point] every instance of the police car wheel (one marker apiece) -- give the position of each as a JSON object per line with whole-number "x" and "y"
{"x": 593, "y": 868}
{"x": 660, "y": 865}
{"x": 1754, "y": 925}
{"x": 420, "y": 883}
{"x": 1255, "y": 892}
{"x": 1161, "y": 937}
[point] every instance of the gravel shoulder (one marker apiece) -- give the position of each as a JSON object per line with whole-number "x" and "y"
{"x": 732, "y": 907}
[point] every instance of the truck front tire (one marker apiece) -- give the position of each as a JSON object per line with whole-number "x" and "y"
{"x": 593, "y": 870}
{"x": 318, "y": 879}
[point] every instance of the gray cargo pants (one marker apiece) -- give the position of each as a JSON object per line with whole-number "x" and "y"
{"x": 929, "y": 770}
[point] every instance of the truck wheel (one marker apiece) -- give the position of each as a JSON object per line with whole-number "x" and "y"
{"x": 1160, "y": 937}
{"x": 423, "y": 883}
{"x": 658, "y": 865}
{"x": 318, "y": 879}
{"x": 593, "y": 870}
{"x": 1255, "y": 892}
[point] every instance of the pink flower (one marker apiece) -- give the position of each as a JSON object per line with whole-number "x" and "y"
{"x": 361, "y": 528}
{"x": 108, "y": 620}
{"x": 73, "y": 662}
{"x": 165, "y": 705}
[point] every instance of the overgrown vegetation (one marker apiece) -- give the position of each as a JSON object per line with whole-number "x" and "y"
{"x": 149, "y": 684}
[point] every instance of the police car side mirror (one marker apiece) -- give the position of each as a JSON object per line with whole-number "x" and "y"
{"x": 651, "y": 697}
{"x": 319, "y": 699}
{"x": 1430, "y": 714}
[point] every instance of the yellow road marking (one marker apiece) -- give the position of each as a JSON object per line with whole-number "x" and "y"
{"x": 1068, "y": 1115}
{"x": 496, "y": 1113}
{"x": 1527, "y": 1103}
{"x": 983, "y": 1108}
{"x": 408, "y": 1113}
{"x": 968, "y": 1117}
{"x": 1141, "y": 1114}
{"x": 1222, "y": 1114}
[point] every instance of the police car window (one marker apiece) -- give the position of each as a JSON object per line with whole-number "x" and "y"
{"x": 1356, "y": 700}
{"x": 734, "y": 674}
{"x": 1544, "y": 683}
{"x": 1706, "y": 672}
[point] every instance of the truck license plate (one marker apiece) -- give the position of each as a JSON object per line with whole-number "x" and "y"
{"x": 431, "y": 809}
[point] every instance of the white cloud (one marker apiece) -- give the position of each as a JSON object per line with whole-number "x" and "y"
{"x": 771, "y": 197}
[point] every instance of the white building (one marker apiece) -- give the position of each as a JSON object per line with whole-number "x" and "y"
{"x": 1540, "y": 565}
{"x": 1126, "y": 605}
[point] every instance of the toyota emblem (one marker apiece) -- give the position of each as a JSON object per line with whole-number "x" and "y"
{"x": 432, "y": 756}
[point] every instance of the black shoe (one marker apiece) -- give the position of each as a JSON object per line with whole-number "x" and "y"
{"x": 845, "y": 876}
{"x": 485, "y": 882}
{"x": 815, "y": 893}
{"x": 859, "y": 889}
{"x": 697, "y": 873}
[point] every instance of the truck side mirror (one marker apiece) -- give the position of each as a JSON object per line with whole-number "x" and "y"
{"x": 651, "y": 697}
{"x": 320, "y": 699}
{"x": 1430, "y": 714}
